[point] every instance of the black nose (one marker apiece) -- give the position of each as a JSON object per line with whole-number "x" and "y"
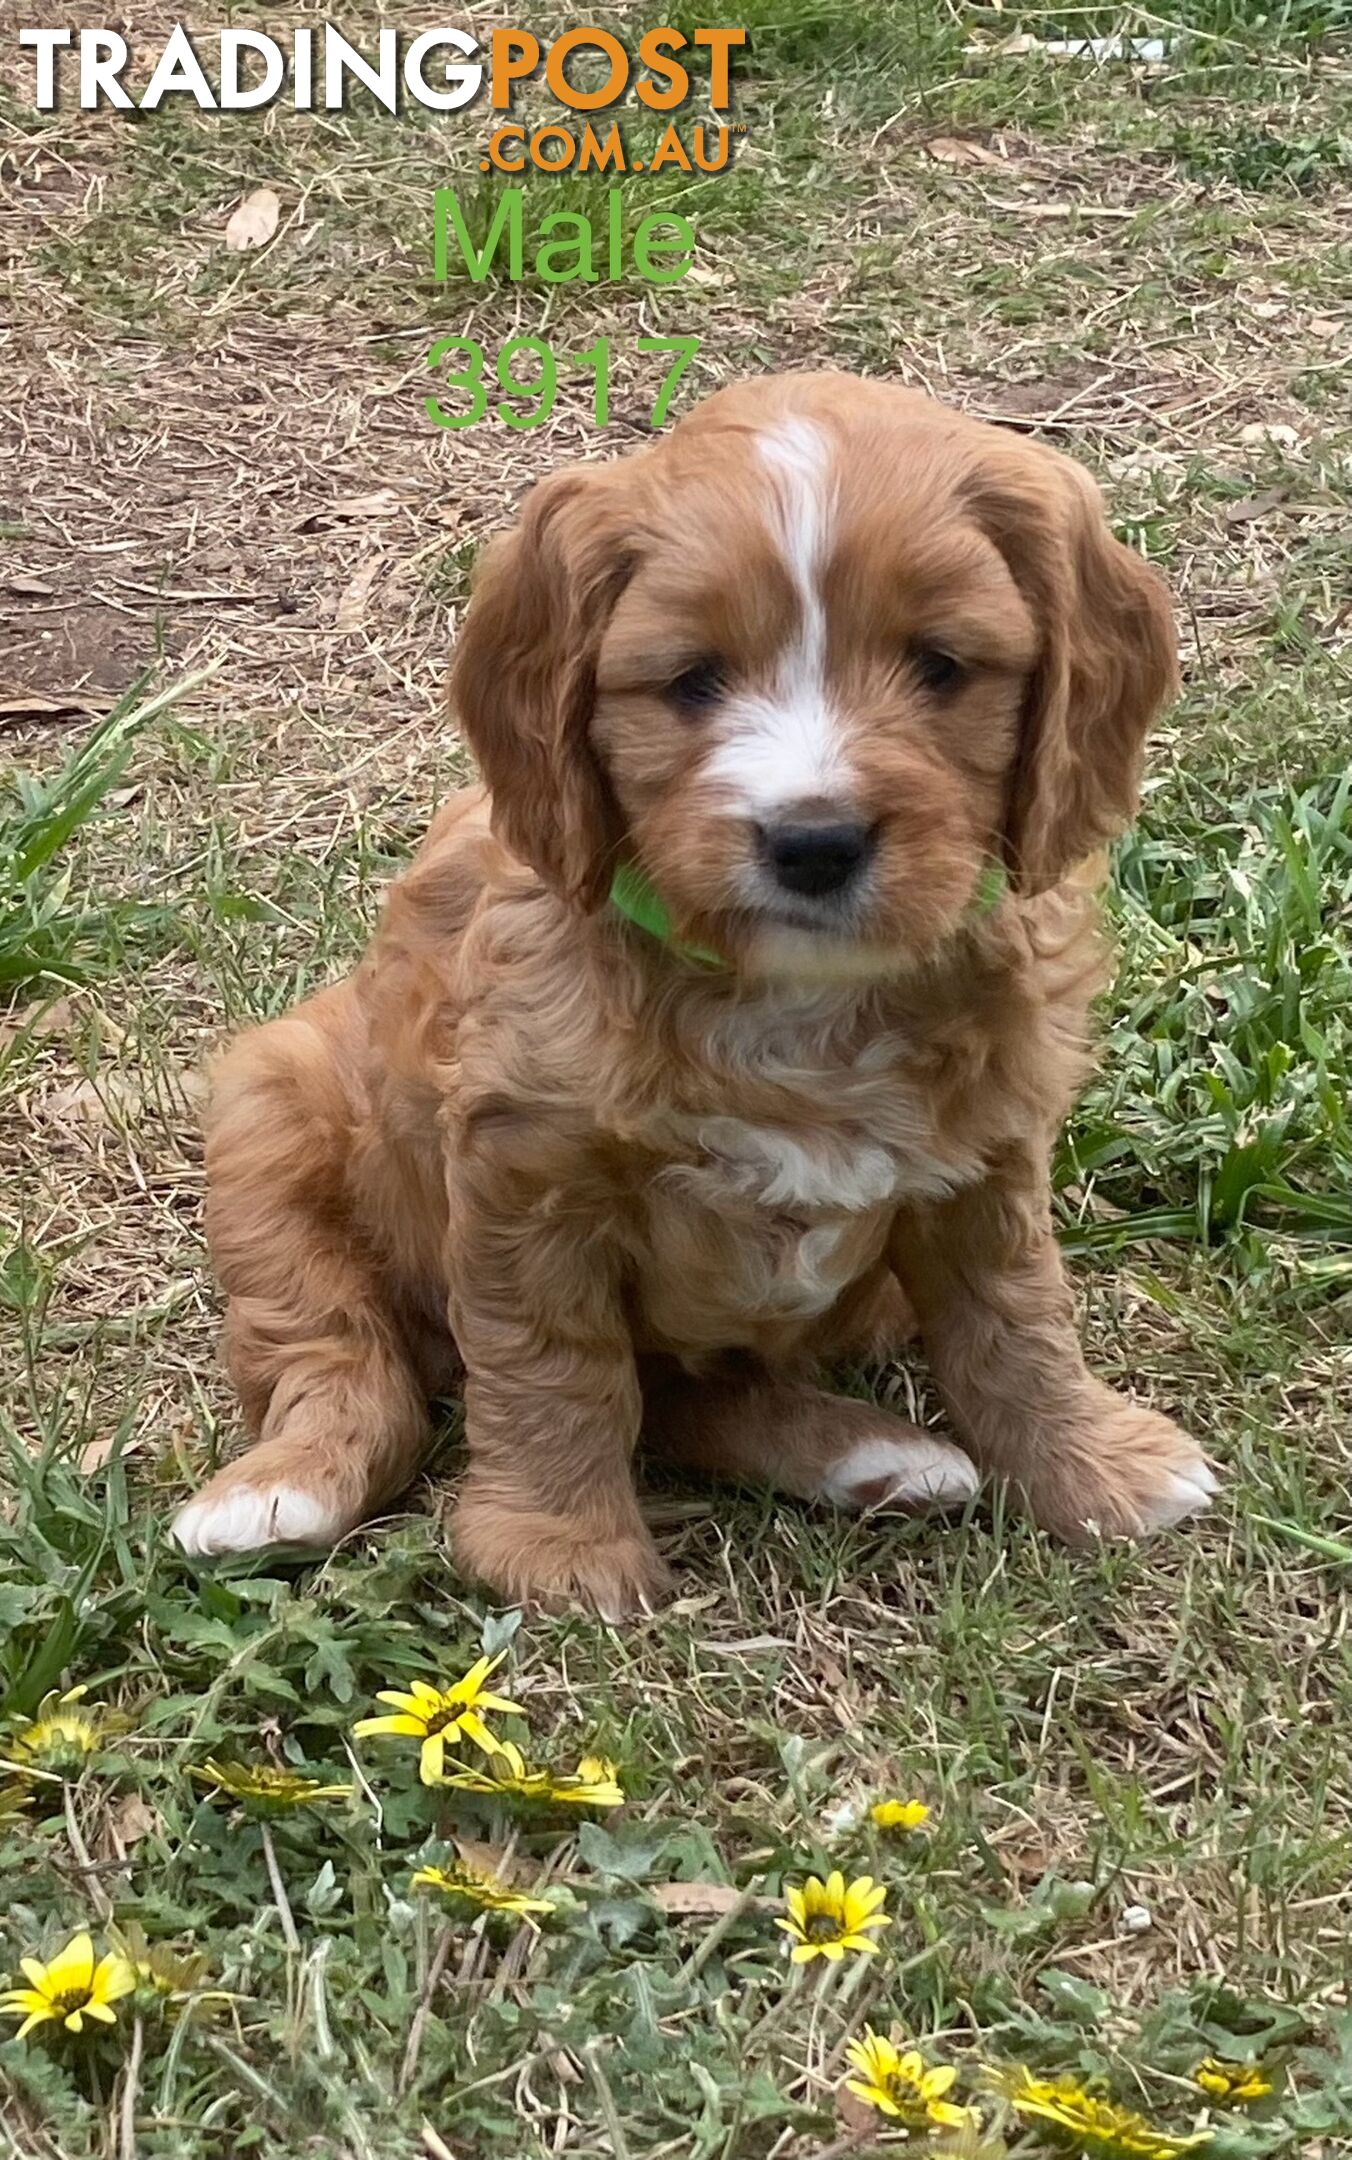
{"x": 817, "y": 858}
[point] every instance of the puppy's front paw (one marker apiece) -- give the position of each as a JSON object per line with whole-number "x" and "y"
{"x": 255, "y": 1503}
{"x": 555, "y": 1563}
{"x": 1140, "y": 1473}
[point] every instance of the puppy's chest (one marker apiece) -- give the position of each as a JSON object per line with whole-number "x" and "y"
{"x": 772, "y": 1216}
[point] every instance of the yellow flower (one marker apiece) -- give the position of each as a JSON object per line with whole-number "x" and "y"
{"x": 262, "y": 1789}
{"x": 155, "y": 1965}
{"x": 825, "y": 1919}
{"x": 462, "y": 1884}
{"x": 593, "y": 1784}
{"x": 62, "y": 1737}
{"x": 69, "y": 1990}
{"x": 1232, "y": 2084}
{"x": 436, "y": 1716}
{"x": 899, "y": 1814}
{"x": 165, "y": 1978}
{"x": 901, "y": 2086}
{"x": 1086, "y": 2125}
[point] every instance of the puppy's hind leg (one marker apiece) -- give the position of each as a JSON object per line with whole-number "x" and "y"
{"x": 328, "y": 1386}
{"x": 760, "y": 1430}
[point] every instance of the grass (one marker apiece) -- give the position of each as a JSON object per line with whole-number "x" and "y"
{"x": 1140, "y": 1845}
{"x": 46, "y": 935}
{"x": 1220, "y": 1115}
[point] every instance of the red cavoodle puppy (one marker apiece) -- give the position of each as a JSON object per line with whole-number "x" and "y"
{"x": 727, "y": 1029}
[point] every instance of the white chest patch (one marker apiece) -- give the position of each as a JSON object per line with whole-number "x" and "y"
{"x": 784, "y": 1170}
{"x": 772, "y": 1215}
{"x": 783, "y": 1222}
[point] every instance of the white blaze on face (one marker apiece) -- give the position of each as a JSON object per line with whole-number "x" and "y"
{"x": 785, "y": 744}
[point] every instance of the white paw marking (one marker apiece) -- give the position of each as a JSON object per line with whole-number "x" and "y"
{"x": 1182, "y": 1493}
{"x": 919, "y": 1472}
{"x": 245, "y": 1518}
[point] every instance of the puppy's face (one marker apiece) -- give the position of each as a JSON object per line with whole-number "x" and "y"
{"x": 808, "y": 693}
{"x": 833, "y": 655}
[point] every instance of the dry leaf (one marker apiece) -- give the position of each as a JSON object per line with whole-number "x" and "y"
{"x": 1255, "y": 506}
{"x": 117, "y": 1098}
{"x": 856, "y": 2116}
{"x": 29, "y": 588}
{"x": 96, "y": 1453}
{"x": 1279, "y": 433}
{"x": 352, "y": 601}
{"x": 19, "y": 702}
{"x": 132, "y": 1820}
{"x": 696, "y": 1900}
{"x": 54, "y": 1019}
{"x": 961, "y": 150}
{"x": 1026, "y": 1863}
{"x": 79, "y": 1099}
{"x": 254, "y": 221}
{"x": 486, "y": 1859}
{"x": 383, "y": 502}
{"x": 745, "y": 1645}
{"x": 378, "y": 504}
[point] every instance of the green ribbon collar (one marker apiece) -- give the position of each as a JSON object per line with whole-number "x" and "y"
{"x": 635, "y": 896}
{"x": 632, "y": 891}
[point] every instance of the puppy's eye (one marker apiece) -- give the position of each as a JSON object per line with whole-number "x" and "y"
{"x": 938, "y": 670}
{"x": 698, "y": 687}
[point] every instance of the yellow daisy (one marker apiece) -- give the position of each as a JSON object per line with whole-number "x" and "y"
{"x": 62, "y": 1737}
{"x": 436, "y": 1716}
{"x": 1099, "y": 2129}
{"x": 825, "y": 1919}
{"x": 262, "y": 1789}
{"x": 461, "y": 1884}
{"x": 166, "y": 1979}
{"x": 1232, "y": 2084}
{"x": 593, "y": 1784}
{"x": 900, "y": 2085}
{"x": 70, "y": 1989}
{"x": 899, "y": 1814}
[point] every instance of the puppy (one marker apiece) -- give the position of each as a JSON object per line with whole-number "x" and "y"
{"x": 728, "y": 1027}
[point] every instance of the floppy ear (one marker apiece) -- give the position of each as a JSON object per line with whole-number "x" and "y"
{"x": 1108, "y": 662}
{"x": 523, "y": 677}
